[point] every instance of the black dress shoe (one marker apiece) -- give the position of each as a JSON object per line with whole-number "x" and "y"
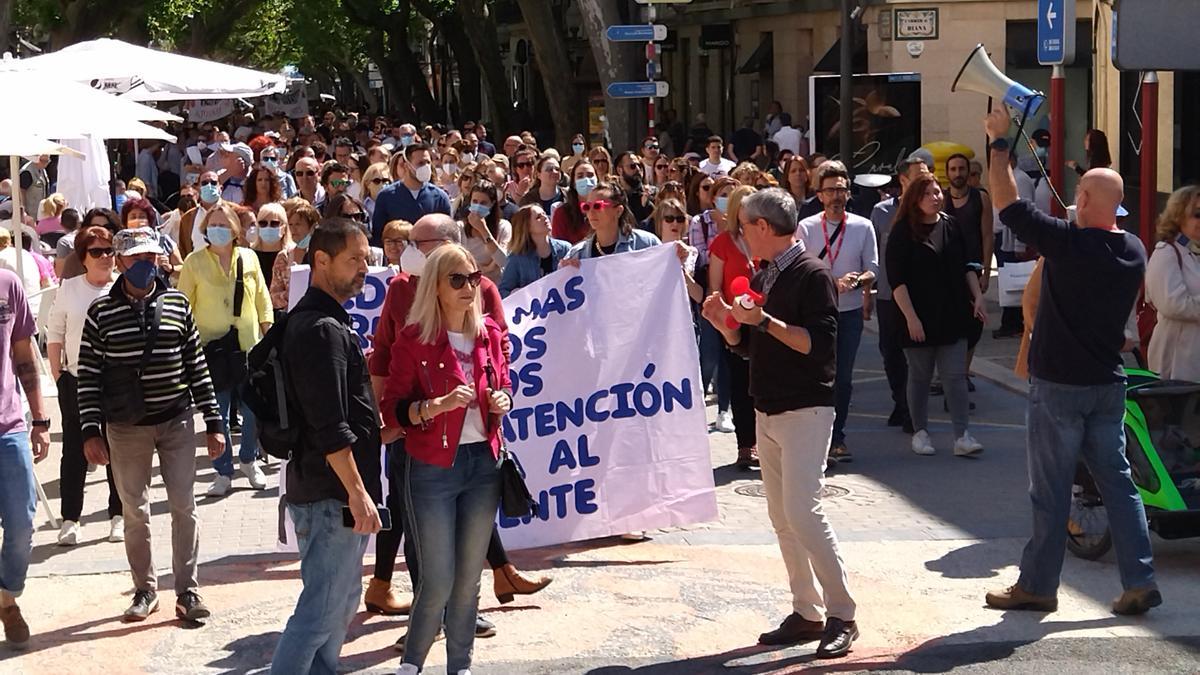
{"x": 839, "y": 635}
{"x": 896, "y": 418}
{"x": 794, "y": 628}
{"x": 907, "y": 426}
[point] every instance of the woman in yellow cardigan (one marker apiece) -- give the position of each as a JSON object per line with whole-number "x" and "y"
{"x": 209, "y": 280}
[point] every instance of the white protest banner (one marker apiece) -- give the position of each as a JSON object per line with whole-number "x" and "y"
{"x": 365, "y": 310}
{"x": 608, "y": 420}
{"x": 209, "y": 110}
{"x": 292, "y": 104}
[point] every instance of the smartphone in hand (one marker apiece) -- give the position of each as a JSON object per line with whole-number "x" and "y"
{"x": 385, "y": 518}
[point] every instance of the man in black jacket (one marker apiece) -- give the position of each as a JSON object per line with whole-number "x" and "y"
{"x": 790, "y": 338}
{"x": 337, "y": 465}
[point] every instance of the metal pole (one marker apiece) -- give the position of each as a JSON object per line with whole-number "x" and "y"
{"x": 14, "y": 170}
{"x": 845, "y": 95}
{"x": 1148, "y": 203}
{"x": 651, "y": 60}
{"x": 1058, "y": 126}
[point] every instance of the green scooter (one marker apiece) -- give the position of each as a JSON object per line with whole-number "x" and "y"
{"x": 1162, "y": 442}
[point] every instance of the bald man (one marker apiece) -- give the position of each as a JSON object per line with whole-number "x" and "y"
{"x": 1091, "y": 279}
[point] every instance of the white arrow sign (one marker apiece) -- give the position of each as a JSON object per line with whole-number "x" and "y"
{"x": 1050, "y": 15}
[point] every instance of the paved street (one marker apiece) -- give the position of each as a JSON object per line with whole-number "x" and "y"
{"x": 924, "y": 538}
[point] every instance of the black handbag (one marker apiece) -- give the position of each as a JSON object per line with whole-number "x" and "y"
{"x": 225, "y": 358}
{"x": 121, "y": 397}
{"x": 515, "y": 499}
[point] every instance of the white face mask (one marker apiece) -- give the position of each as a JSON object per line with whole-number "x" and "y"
{"x": 423, "y": 173}
{"x": 412, "y": 261}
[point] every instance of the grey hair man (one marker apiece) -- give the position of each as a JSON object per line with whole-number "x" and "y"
{"x": 787, "y": 327}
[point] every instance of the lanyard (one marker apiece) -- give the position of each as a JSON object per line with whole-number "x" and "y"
{"x": 833, "y": 252}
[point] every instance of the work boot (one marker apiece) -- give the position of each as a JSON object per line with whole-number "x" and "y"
{"x": 16, "y": 631}
{"x": 1137, "y": 601}
{"x": 380, "y": 599}
{"x": 509, "y": 581}
{"x": 1014, "y": 597}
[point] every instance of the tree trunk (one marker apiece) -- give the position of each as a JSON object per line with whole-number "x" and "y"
{"x": 555, "y": 67}
{"x": 5, "y": 25}
{"x": 614, "y": 61}
{"x": 362, "y": 83}
{"x": 485, "y": 46}
{"x": 470, "y": 103}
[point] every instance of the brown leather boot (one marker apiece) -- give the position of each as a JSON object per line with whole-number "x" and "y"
{"x": 380, "y": 599}
{"x": 509, "y": 581}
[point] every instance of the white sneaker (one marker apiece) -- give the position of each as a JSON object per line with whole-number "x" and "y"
{"x": 408, "y": 669}
{"x": 967, "y": 446}
{"x": 921, "y": 443}
{"x": 220, "y": 486}
{"x": 69, "y": 534}
{"x": 637, "y": 535}
{"x": 116, "y": 529}
{"x": 254, "y": 474}
{"x": 724, "y": 422}
{"x": 464, "y": 671}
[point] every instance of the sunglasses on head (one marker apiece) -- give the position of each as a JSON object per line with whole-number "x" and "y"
{"x": 457, "y": 281}
{"x": 674, "y": 219}
{"x": 306, "y": 174}
{"x": 270, "y": 223}
{"x": 100, "y": 252}
{"x": 598, "y": 204}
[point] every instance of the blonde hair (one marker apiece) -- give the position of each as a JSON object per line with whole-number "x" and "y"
{"x": 231, "y": 214}
{"x": 277, "y": 209}
{"x": 522, "y": 240}
{"x": 376, "y": 170}
{"x": 661, "y": 209}
{"x": 735, "y": 205}
{"x": 52, "y": 206}
{"x": 426, "y": 310}
{"x": 1176, "y": 213}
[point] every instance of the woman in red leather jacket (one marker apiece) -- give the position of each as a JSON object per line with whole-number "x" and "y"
{"x": 448, "y": 387}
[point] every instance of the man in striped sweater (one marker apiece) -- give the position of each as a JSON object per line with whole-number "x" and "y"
{"x": 175, "y": 381}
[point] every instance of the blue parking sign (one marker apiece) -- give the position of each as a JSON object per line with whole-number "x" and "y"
{"x": 1056, "y": 32}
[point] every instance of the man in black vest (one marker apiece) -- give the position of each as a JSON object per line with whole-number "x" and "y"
{"x": 971, "y": 208}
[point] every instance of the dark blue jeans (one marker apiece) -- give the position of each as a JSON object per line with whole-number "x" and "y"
{"x": 849, "y": 334}
{"x": 331, "y": 569}
{"x": 18, "y": 505}
{"x": 450, "y": 516}
{"x": 1064, "y": 421}
{"x": 713, "y": 367}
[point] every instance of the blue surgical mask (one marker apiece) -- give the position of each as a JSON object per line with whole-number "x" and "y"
{"x": 219, "y": 236}
{"x": 577, "y": 148}
{"x": 406, "y": 140}
{"x": 210, "y": 194}
{"x": 142, "y": 273}
{"x": 270, "y": 235}
{"x": 1041, "y": 153}
{"x": 584, "y": 186}
{"x": 303, "y": 243}
{"x": 722, "y": 204}
{"x": 480, "y": 210}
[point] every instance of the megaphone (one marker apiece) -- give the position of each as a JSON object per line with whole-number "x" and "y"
{"x": 981, "y": 76}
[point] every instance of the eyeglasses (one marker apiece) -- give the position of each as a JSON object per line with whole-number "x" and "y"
{"x": 420, "y": 242}
{"x": 306, "y": 174}
{"x": 358, "y": 217}
{"x": 270, "y": 223}
{"x": 834, "y": 191}
{"x": 674, "y": 219}
{"x": 457, "y": 281}
{"x": 209, "y": 182}
{"x": 393, "y": 242}
{"x": 100, "y": 252}
{"x": 378, "y": 181}
{"x": 523, "y": 165}
{"x": 662, "y": 167}
{"x": 339, "y": 183}
{"x": 598, "y": 204}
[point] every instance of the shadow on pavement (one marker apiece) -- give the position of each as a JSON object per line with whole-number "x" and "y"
{"x": 982, "y": 560}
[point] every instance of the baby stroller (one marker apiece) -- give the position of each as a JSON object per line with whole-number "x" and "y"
{"x": 1162, "y": 442}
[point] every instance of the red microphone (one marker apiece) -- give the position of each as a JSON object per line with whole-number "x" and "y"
{"x": 743, "y": 295}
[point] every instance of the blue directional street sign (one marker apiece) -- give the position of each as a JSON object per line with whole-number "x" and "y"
{"x": 638, "y": 89}
{"x": 637, "y": 33}
{"x": 1056, "y": 32}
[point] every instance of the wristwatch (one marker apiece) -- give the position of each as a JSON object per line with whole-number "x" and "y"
{"x": 765, "y": 324}
{"x": 1000, "y": 144}
{"x": 41, "y": 424}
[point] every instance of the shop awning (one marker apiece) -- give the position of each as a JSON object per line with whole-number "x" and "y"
{"x": 763, "y": 58}
{"x": 832, "y": 61}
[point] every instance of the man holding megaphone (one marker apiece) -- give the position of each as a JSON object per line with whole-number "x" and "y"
{"x": 786, "y": 323}
{"x": 1093, "y": 273}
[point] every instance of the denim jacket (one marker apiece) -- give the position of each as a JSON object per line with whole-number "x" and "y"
{"x": 525, "y": 268}
{"x": 634, "y": 241}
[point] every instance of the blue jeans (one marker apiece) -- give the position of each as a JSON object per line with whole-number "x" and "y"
{"x": 1062, "y": 422}
{"x": 712, "y": 363}
{"x": 450, "y": 515}
{"x": 849, "y": 334}
{"x": 249, "y": 450}
{"x": 18, "y": 504}
{"x": 331, "y": 570}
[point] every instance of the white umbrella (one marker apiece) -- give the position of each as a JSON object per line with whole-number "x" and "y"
{"x": 144, "y": 74}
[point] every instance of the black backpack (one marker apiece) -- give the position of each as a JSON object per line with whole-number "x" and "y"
{"x": 266, "y": 392}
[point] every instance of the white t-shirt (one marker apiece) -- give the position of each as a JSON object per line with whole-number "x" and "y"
{"x": 464, "y": 348}
{"x": 788, "y": 138}
{"x": 69, "y": 313}
{"x": 855, "y": 250}
{"x": 723, "y": 166}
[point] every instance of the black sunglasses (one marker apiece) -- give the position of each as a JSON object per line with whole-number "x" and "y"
{"x": 674, "y": 219}
{"x": 306, "y": 174}
{"x": 457, "y": 281}
{"x": 209, "y": 182}
{"x": 359, "y": 217}
{"x": 100, "y": 252}
{"x": 269, "y": 223}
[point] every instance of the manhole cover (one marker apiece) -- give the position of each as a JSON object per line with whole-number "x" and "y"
{"x": 757, "y": 490}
